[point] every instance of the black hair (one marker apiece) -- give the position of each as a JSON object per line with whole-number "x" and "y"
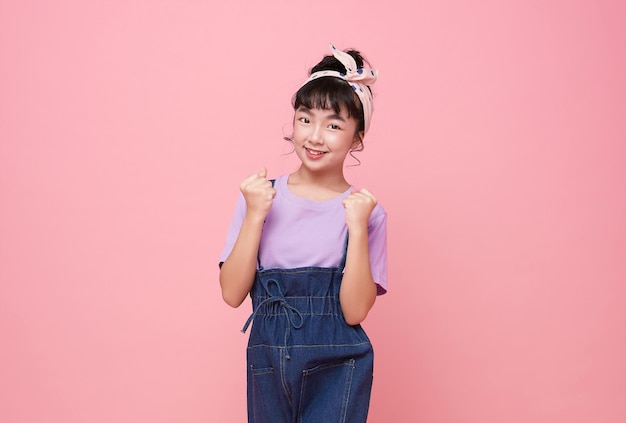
{"x": 332, "y": 93}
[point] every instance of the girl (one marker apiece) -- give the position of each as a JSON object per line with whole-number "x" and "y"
{"x": 310, "y": 249}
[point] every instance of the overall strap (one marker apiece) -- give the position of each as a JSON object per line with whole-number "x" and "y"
{"x": 345, "y": 254}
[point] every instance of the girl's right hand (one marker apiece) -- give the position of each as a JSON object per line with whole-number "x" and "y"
{"x": 258, "y": 193}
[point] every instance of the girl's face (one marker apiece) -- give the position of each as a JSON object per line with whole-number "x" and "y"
{"x": 323, "y": 138}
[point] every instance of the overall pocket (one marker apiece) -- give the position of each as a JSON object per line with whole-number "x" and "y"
{"x": 267, "y": 400}
{"x": 325, "y": 392}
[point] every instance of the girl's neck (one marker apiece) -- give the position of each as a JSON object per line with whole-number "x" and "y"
{"x": 317, "y": 186}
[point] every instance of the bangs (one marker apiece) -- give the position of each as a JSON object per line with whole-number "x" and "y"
{"x": 330, "y": 93}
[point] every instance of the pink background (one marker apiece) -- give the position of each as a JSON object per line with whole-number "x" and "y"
{"x": 498, "y": 148}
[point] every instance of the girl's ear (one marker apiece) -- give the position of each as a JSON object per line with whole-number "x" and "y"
{"x": 357, "y": 144}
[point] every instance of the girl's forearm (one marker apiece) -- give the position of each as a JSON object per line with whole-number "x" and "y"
{"x": 238, "y": 271}
{"x": 358, "y": 289}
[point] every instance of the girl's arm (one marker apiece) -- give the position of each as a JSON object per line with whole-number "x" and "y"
{"x": 358, "y": 289}
{"x": 238, "y": 271}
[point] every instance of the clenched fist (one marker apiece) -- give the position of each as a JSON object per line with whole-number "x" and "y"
{"x": 258, "y": 193}
{"x": 359, "y": 206}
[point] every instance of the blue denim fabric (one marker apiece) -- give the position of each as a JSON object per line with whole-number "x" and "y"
{"x": 305, "y": 363}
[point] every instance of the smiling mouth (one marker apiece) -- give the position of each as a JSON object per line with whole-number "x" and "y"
{"x": 315, "y": 153}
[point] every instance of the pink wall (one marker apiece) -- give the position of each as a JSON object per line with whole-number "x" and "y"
{"x": 498, "y": 148}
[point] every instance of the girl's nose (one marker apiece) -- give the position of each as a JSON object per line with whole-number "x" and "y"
{"x": 315, "y": 136}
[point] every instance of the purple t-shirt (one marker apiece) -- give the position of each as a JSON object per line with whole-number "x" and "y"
{"x": 299, "y": 232}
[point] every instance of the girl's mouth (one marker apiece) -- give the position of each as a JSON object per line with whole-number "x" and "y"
{"x": 314, "y": 154}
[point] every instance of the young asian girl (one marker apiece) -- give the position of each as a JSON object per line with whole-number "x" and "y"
{"x": 311, "y": 251}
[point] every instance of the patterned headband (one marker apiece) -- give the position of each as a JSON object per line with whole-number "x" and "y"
{"x": 359, "y": 80}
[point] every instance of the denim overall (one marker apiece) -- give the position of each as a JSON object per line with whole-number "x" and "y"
{"x": 305, "y": 363}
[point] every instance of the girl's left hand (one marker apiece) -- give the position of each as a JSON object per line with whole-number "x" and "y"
{"x": 359, "y": 206}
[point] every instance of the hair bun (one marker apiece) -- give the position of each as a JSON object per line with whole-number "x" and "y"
{"x": 331, "y": 63}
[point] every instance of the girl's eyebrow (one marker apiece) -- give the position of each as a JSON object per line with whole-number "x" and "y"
{"x": 304, "y": 110}
{"x": 334, "y": 116}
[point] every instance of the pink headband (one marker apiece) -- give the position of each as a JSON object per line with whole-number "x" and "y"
{"x": 359, "y": 79}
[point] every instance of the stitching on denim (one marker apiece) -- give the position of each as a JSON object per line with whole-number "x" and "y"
{"x": 283, "y": 378}
{"x": 304, "y": 314}
{"x": 282, "y": 347}
{"x": 261, "y": 371}
{"x": 347, "y": 393}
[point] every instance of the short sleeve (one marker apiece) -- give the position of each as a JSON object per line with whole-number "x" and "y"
{"x": 234, "y": 228}
{"x": 377, "y": 240}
